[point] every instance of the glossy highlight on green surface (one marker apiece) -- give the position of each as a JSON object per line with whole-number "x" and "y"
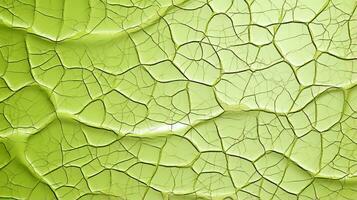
{"x": 178, "y": 99}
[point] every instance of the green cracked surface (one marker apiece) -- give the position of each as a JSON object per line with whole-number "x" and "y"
{"x": 178, "y": 99}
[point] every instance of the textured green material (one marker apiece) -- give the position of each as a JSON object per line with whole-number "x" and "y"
{"x": 178, "y": 99}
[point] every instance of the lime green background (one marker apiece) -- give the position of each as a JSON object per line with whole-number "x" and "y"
{"x": 178, "y": 99}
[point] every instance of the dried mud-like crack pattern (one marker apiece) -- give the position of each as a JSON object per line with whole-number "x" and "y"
{"x": 235, "y": 99}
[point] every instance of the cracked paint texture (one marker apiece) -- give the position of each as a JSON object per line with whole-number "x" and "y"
{"x": 178, "y": 99}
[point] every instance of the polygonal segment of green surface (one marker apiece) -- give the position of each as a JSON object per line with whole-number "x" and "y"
{"x": 28, "y": 108}
{"x": 294, "y": 41}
